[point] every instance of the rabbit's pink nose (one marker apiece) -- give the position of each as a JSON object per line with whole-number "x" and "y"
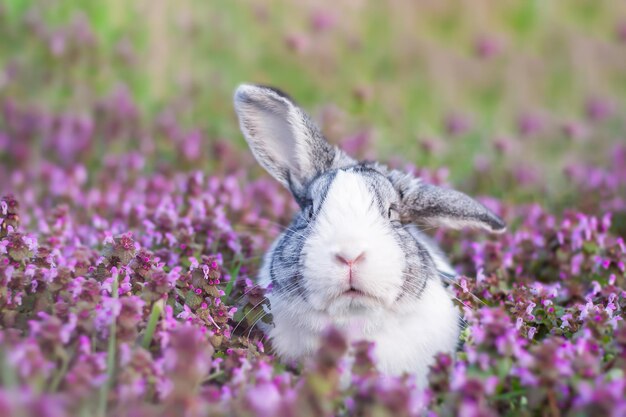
{"x": 349, "y": 260}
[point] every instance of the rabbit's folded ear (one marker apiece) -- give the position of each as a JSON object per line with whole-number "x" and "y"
{"x": 442, "y": 206}
{"x": 283, "y": 138}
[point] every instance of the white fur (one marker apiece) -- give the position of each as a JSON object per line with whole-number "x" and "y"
{"x": 349, "y": 224}
{"x": 407, "y": 333}
{"x": 405, "y": 340}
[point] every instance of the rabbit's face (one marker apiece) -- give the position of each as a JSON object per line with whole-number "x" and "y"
{"x": 353, "y": 257}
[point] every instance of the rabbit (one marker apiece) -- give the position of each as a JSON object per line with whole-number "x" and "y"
{"x": 352, "y": 258}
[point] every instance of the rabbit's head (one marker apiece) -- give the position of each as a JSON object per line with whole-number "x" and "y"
{"x": 351, "y": 247}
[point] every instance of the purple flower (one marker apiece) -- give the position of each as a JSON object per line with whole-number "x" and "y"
{"x": 457, "y": 124}
{"x": 264, "y": 399}
{"x": 487, "y": 47}
{"x": 598, "y": 109}
{"x": 530, "y": 124}
{"x": 322, "y": 20}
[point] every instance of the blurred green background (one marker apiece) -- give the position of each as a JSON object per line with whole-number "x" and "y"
{"x": 535, "y": 84}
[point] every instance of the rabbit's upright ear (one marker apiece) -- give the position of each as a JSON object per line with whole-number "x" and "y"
{"x": 440, "y": 206}
{"x": 284, "y": 139}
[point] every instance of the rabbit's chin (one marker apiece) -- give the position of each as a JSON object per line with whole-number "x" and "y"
{"x": 332, "y": 294}
{"x": 338, "y": 300}
{"x": 354, "y": 304}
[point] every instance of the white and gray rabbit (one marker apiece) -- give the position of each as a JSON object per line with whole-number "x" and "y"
{"x": 352, "y": 257}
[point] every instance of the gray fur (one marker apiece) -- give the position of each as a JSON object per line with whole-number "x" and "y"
{"x": 432, "y": 204}
{"x": 286, "y": 258}
{"x": 284, "y": 139}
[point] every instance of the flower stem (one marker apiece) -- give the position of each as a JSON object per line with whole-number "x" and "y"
{"x": 65, "y": 361}
{"x": 106, "y": 387}
{"x": 8, "y": 377}
{"x": 157, "y": 308}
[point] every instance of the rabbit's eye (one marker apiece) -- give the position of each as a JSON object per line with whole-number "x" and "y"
{"x": 308, "y": 211}
{"x": 392, "y": 214}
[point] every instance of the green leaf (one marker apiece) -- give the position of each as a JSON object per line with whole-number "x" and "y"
{"x": 234, "y": 274}
{"x": 193, "y": 300}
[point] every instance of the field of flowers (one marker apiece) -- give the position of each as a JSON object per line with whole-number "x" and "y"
{"x": 133, "y": 219}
